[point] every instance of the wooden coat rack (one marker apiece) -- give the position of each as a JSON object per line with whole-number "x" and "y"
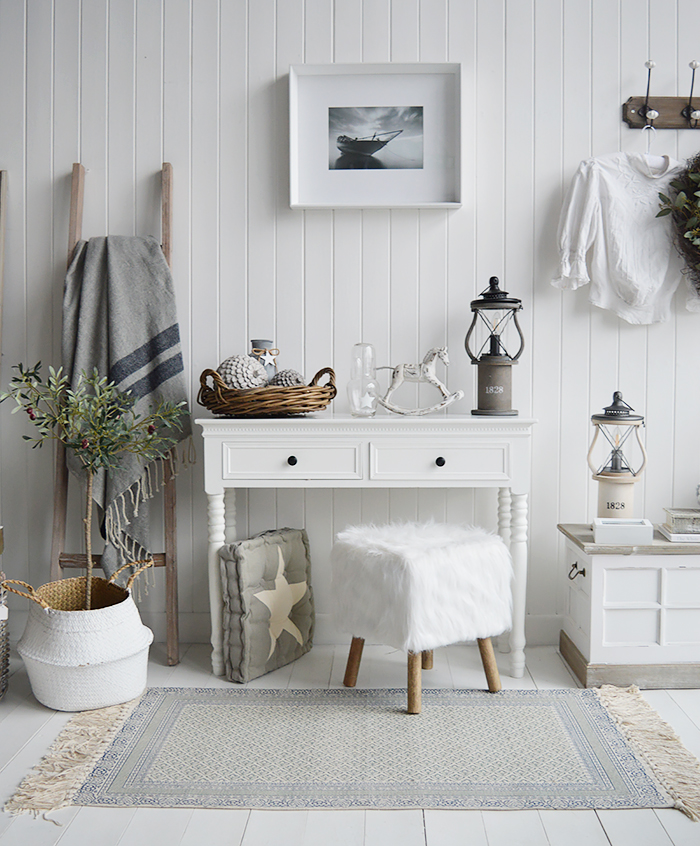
{"x": 61, "y": 560}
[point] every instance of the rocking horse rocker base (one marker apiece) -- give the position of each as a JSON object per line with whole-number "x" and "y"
{"x": 417, "y": 412}
{"x": 423, "y": 372}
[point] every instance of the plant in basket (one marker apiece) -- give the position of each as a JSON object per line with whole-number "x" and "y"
{"x": 91, "y": 650}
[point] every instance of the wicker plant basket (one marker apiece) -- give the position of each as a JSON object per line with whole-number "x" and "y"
{"x": 269, "y": 401}
{"x": 79, "y": 660}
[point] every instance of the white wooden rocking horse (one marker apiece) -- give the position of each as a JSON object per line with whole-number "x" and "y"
{"x": 423, "y": 372}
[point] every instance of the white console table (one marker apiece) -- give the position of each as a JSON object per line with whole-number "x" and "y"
{"x": 339, "y": 451}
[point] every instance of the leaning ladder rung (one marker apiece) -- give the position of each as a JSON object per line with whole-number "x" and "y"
{"x": 79, "y": 560}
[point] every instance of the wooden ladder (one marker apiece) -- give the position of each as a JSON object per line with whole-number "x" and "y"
{"x": 61, "y": 560}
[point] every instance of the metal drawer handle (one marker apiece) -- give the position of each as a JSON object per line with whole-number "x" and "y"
{"x": 574, "y": 571}
{"x": 292, "y": 460}
{"x": 440, "y": 461}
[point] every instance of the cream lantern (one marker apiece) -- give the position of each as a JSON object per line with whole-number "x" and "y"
{"x": 615, "y": 476}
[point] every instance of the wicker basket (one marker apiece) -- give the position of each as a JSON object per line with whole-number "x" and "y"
{"x": 270, "y": 401}
{"x": 79, "y": 660}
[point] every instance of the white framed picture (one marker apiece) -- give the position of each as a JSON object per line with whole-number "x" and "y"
{"x": 375, "y": 136}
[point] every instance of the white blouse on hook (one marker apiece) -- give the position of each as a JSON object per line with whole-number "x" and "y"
{"x": 610, "y": 210}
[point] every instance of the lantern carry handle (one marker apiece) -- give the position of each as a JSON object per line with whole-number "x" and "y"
{"x": 466, "y": 340}
{"x": 644, "y": 452}
{"x": 520, "y": 334}
{"x": 590, "y": 450}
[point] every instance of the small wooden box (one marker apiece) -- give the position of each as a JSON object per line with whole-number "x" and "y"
{"x": 683, "y": 520}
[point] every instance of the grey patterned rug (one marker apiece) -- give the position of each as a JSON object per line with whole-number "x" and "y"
{"x": 214, "y": 748}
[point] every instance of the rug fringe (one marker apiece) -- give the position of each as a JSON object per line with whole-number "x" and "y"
{"x": 60, "y": 773}
{"x": 656, "y": 742}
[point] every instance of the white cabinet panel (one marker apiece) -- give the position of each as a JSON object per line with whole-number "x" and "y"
{"x": 683, "y": 586}
{"x": 631, "y": 585}
{"x": 682, "y": 626}
{"x": 631, "y": 627}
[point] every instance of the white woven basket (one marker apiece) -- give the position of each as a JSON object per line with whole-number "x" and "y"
{"x": 80, "y": 660}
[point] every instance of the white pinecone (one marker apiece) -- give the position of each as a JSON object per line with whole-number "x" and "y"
{"x": 287, "y": 379}
{"x": 242, "y": 372}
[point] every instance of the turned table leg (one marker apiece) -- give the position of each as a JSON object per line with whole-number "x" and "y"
{"x": 216, "y": 514}
{"x": 518, "y": 551}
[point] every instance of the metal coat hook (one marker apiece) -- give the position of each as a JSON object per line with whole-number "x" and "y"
{"x": 689, "y": 113}
{"x": 647, "y": 113}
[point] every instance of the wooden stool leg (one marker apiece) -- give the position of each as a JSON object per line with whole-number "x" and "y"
{"x": 488, "y": 659}
{"x": 414, "y": 682}
{"x": 353, "y": 666}
{"x": 427, "y": 659}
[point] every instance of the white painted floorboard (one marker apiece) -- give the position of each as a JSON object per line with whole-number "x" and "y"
{"x": 28, "y": 730}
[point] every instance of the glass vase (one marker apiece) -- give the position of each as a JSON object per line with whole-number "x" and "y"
{"x": 362, "y": 387}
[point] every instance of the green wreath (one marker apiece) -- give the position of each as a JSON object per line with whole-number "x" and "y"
{"x": 684, "y": 208}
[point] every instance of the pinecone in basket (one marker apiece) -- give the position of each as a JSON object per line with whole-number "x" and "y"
{"x": 287, "y": 379}
{"x": 242, "y": 372}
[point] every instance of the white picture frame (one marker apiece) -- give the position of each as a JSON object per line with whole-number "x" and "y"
{"x": 419, "y": 167}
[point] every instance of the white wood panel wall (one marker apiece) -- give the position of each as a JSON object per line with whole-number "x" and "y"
{"x": 122, "y": 85}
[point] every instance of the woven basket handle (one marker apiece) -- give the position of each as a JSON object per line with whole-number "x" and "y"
{"x": 331, "y": 377}
{"x": 30, "y": 594}
{"x": 147, "y": 562}
{"x": 215, "y": 377}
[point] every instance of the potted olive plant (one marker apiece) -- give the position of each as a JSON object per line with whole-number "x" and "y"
{"x": 84, "y": 644}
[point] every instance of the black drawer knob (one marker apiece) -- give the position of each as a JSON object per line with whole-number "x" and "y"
{"x": 292, "y": 460}
{"x": 440, "y": 461}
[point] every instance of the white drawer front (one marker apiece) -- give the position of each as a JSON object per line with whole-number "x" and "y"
{"x": 293, "y": 460}
{"x": 403, "y": 460}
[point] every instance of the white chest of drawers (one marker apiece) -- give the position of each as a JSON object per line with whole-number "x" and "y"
{"x": 633, "y": 613}
{"x": 337, "y": 451}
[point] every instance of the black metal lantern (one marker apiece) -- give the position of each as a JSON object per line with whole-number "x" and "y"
{"x": 493, "y": 311}
{"x": 615, "y": 475}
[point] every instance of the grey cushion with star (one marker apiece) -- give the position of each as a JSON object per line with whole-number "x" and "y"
{"x": 268, "y": 602}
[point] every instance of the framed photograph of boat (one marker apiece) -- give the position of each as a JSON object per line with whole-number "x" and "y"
{"x": 375, "y": 136}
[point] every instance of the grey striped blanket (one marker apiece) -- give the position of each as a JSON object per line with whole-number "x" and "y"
{"x": 119, "y": 316}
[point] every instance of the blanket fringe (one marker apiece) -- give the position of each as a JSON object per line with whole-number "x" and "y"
{"x": 656, "y": 742}
{"x": 54, "y": 781}
{"x": 151, "y": 481}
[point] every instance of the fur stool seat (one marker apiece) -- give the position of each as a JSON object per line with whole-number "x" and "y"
{"x": 418, "y": 586}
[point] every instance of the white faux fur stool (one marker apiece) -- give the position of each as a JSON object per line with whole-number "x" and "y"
{"x": 417, "y": 586}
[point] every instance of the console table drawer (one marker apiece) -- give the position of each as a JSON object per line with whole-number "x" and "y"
{"x": 291, "y": 460}
{"x": 467, "y": 461}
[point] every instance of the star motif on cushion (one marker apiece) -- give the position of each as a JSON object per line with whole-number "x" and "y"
{"x": 280, "y": 600}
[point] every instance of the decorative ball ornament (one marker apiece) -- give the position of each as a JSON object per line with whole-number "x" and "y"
{"x": 242, "y": 372}
{"x": 287, "y": 379}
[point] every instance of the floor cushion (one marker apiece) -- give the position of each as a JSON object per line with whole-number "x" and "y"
{"x": 268, "y": 617}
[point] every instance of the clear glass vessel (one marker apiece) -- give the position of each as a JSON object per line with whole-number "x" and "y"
{"x": 362, "y": 387}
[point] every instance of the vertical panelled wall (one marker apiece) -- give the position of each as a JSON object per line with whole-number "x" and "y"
{"x": 122, "y": 85}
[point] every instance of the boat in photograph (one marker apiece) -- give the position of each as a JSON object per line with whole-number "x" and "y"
{"x": 366, "y": 146}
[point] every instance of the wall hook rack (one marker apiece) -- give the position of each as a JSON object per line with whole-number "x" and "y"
{"x": 662, "y": 112}
{"x": 689, "y": 113}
